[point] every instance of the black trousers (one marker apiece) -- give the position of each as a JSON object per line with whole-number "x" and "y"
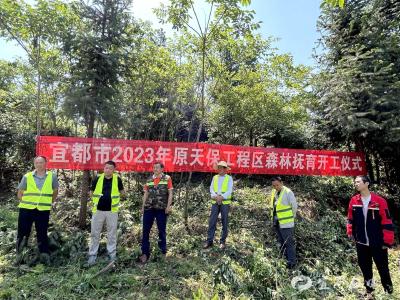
{"x": 287, "y": 244}
{"x": 26, "y": 218}
{"x": 365, "y": 256}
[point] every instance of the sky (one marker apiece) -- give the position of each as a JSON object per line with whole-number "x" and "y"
{"x": 292, "y": 22}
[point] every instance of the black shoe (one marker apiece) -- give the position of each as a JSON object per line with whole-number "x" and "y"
{"x": 290, "y": 266}
{"x": 207, "y": 245}
{"x": 369, "y": 285}
{"x": 21, "y": 243}
{"x": 143, "y": 259}
{"x": 45, "y": 259}
{"x": 369, "y": 290}
{"x": 368, "y": 295}
{"x": 388, "y": 289}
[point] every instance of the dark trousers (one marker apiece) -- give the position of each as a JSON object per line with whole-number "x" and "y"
{"x": 365, "y": 255}
{"x": 26, "y": 218}
{"x": 148, "y": 219}
{"x": 212, "y": 223}
{"x": 285, "y": 238}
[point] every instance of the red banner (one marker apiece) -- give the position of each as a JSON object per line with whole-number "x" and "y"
{"x": 139, "y": 156}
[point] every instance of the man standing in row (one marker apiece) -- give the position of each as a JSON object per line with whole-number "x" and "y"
{"x": 370, "y": 226}
{"x": 157, "y": 204}
{"x": 284, "y": 208}
{"x": 37, "y": 193}
{"x": 221, "y": 195}
{"x": 106, "y": 192}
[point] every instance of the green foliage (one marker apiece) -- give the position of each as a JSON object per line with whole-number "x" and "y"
{"x": 26, "y": 85}
{"x": 96, "y": 48}
{"x": 359, "y": 84}
{"x": 157, "y": 97}
{"x": 103, "y": 73}
{"x": 200, "y": 295}
{"x": 334, "y": 3}
{"x": 16, "y": 137}
{"x": 26, "y": 24}
{"x": 38, "y": 29}
{"x": 250, "y": 267}
{"x": 258, "y": 97}
{"x": 202, "y": 38}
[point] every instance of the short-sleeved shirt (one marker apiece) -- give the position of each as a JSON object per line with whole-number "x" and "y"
{"x": 105, "y": 200}
{"x": 39, "y": 181}
{"x": 156, "y": 180}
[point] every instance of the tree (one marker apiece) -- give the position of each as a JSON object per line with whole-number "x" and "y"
{"x": 359, "y": 83}
{"x": 158, "y": 91}
{"x": 202, "y": 36}
{"x": 97, "y": 48}
{"x": 179, "y": 14}
{"x": 36, "y": 29}
{"x": 258, "y": 96}
{"x": 334, "y": 3}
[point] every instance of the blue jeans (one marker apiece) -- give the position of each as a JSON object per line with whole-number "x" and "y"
{"x": 148, "y": 219}
{"x": 212, "y": 223}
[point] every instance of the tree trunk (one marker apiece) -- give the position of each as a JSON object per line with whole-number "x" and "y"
{"x": 86, "y": 179}
{"x": 39, "y": 86}
{"x": 377, "y": 169}
{"x": 199, "y": 130}
{"x": 370, "y": 169}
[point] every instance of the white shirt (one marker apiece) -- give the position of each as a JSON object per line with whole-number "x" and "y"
{"x": 365, "y": 201}
{"x": 220, "y": 181}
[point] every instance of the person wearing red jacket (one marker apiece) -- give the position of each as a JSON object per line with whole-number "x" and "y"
{"x": 370, "y": 226}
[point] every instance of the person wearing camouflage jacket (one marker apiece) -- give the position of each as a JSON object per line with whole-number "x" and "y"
{"x": 157, "y": 201}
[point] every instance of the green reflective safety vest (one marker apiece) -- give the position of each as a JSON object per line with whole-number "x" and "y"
{"x": 284, "y": 213}
{"x": 98, "y": 192}
{"x": 35, "y": 198}
{"x": 224, "y": 188}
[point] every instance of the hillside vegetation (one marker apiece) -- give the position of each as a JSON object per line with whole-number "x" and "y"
{"x": 250, "y": 267}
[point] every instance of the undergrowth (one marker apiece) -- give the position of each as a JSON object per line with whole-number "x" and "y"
{"x": 250, "y": 267}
